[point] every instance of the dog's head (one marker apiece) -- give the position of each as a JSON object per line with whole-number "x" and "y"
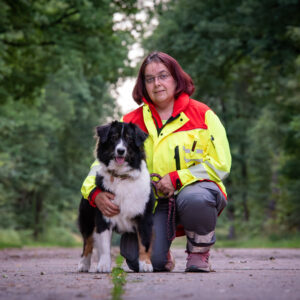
{"x": 120, "y": 143}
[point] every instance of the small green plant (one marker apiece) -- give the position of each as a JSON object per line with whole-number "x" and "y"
{"x": 118, "y": 278}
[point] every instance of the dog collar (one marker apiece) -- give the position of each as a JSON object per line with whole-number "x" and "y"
{"x": 121, "y": 176}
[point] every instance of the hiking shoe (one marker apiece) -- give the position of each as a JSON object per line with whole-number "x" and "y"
{"x": 170, "y": 265}
{"x": 198, "y": 262}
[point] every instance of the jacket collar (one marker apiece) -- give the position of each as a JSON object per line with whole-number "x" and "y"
{"x": 180, "y": 104}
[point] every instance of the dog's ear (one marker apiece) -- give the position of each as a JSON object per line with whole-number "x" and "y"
{"x": 102, "y": 132}
{"x": 140, "y": 135}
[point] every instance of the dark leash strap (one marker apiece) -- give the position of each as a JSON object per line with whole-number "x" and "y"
{"x": 171, "y": 226}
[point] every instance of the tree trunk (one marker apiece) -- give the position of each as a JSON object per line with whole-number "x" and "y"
{"x": 38, "y": 206}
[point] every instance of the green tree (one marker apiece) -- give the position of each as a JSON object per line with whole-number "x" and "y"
{"x": 241, "y": 56}
{"x": 57, "y": 64}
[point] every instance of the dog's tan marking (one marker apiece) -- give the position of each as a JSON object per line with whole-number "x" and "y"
{"x": 88, "y": 246}
{"x": 143, "y": 254}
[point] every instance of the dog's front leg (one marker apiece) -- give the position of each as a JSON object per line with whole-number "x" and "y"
{"x": 145, "y": 264}
{"x": 102, "y": 243}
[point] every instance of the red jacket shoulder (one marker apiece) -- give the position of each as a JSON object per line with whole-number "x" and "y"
{"x": 136, "y": 117}
{"x": 195, "y": 111}
{"x": 198, "y": 106}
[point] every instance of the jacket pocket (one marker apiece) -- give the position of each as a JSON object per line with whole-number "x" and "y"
{"x": 193, "y": 150}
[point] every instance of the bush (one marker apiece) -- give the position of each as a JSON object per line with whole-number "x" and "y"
{"x": 9, "y": 238}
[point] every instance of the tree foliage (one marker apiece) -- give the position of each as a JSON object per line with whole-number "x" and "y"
{"x": 244, "y": 59}
{"x": 58, "y": 60}
{"x": 38, "y": 37}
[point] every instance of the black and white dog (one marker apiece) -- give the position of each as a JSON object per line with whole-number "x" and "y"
{"x": 123, "y": 172}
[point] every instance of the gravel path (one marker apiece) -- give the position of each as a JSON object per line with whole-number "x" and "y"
{"x": 47, "y": 274}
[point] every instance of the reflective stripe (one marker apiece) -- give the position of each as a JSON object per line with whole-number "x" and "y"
{"x": 200, "y": 239}
{"x": 189, "y": 150}
{"x": 199, "y": 171}
{"x": 196, "y": 249}
{"x": 94, "y": 170}
{"x": 221, "y": 174}
{"x": 197, "y": 160}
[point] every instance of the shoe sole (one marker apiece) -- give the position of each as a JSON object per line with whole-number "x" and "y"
{"x": 197, "y": 269}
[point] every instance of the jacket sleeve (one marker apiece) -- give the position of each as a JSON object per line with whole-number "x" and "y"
{"x": 215, "y": 163}
{"x": 89, "y": 186}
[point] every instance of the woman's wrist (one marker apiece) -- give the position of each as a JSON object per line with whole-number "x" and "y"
{"x": 93, "y": 196}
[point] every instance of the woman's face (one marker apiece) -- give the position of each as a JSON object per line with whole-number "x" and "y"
{"x": 160, "y": 84}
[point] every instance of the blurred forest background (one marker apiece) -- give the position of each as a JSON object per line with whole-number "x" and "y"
{"x": 59, "y": 61}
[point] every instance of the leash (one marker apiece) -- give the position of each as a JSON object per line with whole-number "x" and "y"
{"x": 171, "y": 225}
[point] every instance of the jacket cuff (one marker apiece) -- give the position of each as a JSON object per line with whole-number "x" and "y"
{"x": 93, "y": 195}
{"x": 175, "y": 180}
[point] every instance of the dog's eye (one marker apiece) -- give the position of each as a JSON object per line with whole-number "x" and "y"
{"x": 128, "y": 137}
{"x": 114, "y": 136}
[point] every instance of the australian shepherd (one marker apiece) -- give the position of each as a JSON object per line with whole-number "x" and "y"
{"x": 123, "y": 172}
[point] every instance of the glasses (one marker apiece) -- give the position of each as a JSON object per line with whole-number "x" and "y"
{"x": 161, "y": 77}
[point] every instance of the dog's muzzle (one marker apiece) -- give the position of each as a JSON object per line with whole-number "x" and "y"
{"x": 120, "y": 154}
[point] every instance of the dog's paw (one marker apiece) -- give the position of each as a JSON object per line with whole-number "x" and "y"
{"x": 145, "y": 266}
{"x": 84, "y": 264}
{"x": 104, "y": 265}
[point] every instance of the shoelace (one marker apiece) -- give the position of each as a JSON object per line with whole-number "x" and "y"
{"x": 203, "y": 256}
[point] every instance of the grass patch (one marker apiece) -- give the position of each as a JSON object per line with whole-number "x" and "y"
{"x": 54, "y": 237}
{"x": 118, "y": 276}
{"x": 271, "y": 241}
{"x": 10, "y": 238}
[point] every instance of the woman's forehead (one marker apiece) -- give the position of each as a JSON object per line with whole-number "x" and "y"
{"x": 154, "y": 68}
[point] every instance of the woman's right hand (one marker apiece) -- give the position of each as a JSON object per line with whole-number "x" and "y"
{"x": 104, "y": 203}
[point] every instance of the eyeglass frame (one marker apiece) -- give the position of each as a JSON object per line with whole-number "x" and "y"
{"x": 160, "y": 77}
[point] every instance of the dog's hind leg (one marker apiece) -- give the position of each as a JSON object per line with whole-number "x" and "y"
{"x": 102, "y": 244}
{"x": 86, "y": 223}
{"x": 85, "y": 261}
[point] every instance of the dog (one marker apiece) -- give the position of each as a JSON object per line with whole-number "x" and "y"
{"x": 122, "y": 172}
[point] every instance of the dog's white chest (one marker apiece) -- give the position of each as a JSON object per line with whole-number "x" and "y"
{"x": 131, "y": 196}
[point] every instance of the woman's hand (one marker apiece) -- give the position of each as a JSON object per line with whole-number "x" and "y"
{"x": 165, "y": 186}
{"x": 104, "y": 204}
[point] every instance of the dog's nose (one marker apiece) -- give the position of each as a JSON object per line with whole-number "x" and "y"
{"x": 120, "y": 151}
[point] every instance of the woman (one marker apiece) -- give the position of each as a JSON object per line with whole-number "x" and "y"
{"x": 187, "y": 146}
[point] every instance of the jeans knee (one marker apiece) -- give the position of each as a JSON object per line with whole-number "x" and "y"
{"x": 194, "y": 201}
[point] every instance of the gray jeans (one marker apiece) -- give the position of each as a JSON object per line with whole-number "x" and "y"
{"x": 197, "y": 208}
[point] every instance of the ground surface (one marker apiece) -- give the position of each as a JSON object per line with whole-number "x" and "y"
{"x": 47, "y": 274}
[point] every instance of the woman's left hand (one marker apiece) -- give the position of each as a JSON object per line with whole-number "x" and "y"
{"x": 165, "y": 186}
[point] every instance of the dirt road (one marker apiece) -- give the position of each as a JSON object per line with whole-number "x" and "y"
{"x": 47, "y": 274}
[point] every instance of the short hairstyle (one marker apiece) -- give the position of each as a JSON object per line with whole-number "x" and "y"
{"x": 183, "y": 80}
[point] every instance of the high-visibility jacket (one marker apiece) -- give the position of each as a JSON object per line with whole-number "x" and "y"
{"x": 190, "y": 146}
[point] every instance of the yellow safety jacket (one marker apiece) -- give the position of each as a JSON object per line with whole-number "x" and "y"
{"x": 190, "y": 146}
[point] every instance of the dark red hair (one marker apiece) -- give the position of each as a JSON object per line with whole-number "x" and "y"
{"x": 183, "y": 80}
